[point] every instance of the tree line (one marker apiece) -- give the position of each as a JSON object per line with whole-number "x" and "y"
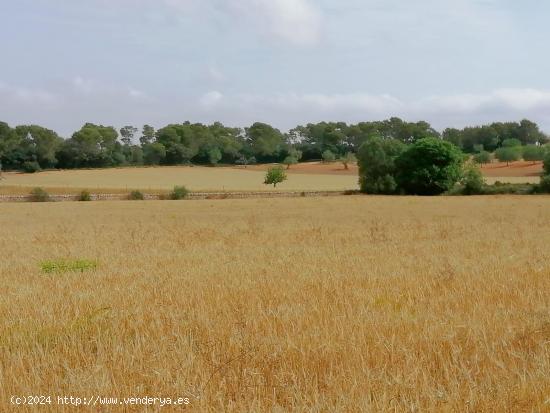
{"x": 32, "y": 147}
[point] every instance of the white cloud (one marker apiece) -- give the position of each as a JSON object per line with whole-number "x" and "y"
{"x": 500, "y": 100}
{"x": 288, "y": 109}
{"x": 26, "y": 95}
{"x": 85, "y": 86}
{"x": 298, "y": 22}
{"x": 210, "y": 99}
{"x": 136, "y": 94}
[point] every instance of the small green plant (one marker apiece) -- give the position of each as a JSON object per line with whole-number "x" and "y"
{"x": 136, "y": 196}
{"x": 85, "y": 196}
{"x": 64, "y": 266}
{"x": 275, "y": 176}
{"x": 179, "y": 192}
{"x": 39, "y": 195}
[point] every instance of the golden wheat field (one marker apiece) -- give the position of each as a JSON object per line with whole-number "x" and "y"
{"x": 161, "y": 178}
{"x": 345, "y": 304}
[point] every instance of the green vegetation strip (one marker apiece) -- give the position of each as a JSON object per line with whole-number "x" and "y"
{"x": 64, "y": 266}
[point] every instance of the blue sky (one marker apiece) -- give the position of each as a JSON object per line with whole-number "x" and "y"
{"x": 286, "y": 62}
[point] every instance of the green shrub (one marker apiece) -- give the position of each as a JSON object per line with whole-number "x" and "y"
{"x": 510, "y": 189}
{"x": 482, "y": 158}
{"x": 472, "y": 182}
{"x": 31, "y": 167}
{"x": 544, "y": 185}
{"x": 508, "y": 154}
{"x": 547, "y": 163}
{"x": 533, "y": 153}
{"x": 179, "y": 192}
{"x": 85, "y": 196}
{"x": 39, "y": 195}
{"x": 136, "y": 196}
{"x": 376, "y": 160}
{"x": 275, "y": 176}
{"x": 63, "y": 266}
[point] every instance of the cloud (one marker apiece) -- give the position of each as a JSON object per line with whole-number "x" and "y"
{"x": 210, "y": 99}
{"x": 500, "y": 100}
{"x": 25, "y": 95}
{"x": 456, "y": 110}
{"x": 136, "y": 94}
{"x": 297, "y": 22}
{"x": 85, "y": 86}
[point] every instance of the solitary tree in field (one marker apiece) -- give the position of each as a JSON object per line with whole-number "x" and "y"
{"x": 508, "y": 154}
{"x": 275, "y": 176}
{"x": 293, "y": 157}
{"x": 347, "y": 159}
{"x": 533, "y": 153}
{"x": 328, "y": 156}
{"x": 290, "y": 160}
{"x": 482, "y": 158}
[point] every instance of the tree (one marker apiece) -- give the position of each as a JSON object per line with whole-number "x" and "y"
{"x": 376, "y": 159}
{"x": 266, "y": 142}
{"x": 154, "y": 153}
{"x": 547, "y": 163}
{"x": 533, "y": 153}
{"x": 181, "y": 142}
{"x": 482, "y": 158}
{"x": 92, "y": 146}
{"x": 348, "y": 158}
{"x": 275, "y": 176}
{"x": 508, "y": 154}
{"x": 293, "y": 157}
{"x": 511, "y": 143}
{"x": 328, "y": 156}
{"x": 214, "y": 156}
{"x": 147, "y": 135}
{"x": 128, "y": 133}
{"x": 430, "y": 166}
{"x": 290, "y": 160}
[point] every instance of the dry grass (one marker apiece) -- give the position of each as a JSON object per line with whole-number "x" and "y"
{"x": 353, "y": 304}
{"x": 513, "y": 179}
{"x": 162, "y": 178}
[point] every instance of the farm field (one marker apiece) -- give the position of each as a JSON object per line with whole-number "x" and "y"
{"x": 162, "y": 178}
{"x": 310, "y": 176}
{"x": 345, "y": 304}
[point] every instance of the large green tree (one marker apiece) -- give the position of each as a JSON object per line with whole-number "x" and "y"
{"x": 429, "y": 166}
{"x": 266, "y": 142}
{"x": 377, "y": 170}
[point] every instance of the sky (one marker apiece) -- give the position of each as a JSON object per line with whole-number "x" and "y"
{"x": 453, "y": 63}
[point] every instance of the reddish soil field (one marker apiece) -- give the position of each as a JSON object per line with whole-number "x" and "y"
{"x": 317, "y": 168}
{"x": 519, "y": 169}
{"x": 495, "y": 169}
